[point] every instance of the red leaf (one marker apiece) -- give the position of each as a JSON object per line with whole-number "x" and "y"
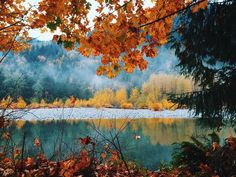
{"x": 85, "y": 141}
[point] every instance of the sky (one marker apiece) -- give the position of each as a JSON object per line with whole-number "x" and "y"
{"x": 46, "y": 36}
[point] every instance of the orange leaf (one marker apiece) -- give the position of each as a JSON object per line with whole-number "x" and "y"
{"x": 37, "y": 142}
{"x": 85, "y": 141}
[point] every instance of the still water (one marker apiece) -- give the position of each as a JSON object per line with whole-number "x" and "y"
{"x": 148, "y": 142}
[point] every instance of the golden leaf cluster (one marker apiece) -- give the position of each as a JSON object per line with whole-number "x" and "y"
{"x": 123, "y": 36}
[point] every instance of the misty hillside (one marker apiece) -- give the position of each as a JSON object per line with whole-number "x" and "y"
{"x": 49, "y": 71}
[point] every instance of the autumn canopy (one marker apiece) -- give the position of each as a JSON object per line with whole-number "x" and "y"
{"x": 123, "y": 32}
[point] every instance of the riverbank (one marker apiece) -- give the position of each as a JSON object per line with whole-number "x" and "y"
{"x": 96, "y": 113}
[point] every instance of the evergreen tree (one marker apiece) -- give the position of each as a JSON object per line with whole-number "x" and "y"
{"x": 206, "y": 47}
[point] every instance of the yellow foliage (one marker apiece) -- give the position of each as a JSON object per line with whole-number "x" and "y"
{"x": 70, "y": 102}
{"x": 168, "y": 105}
{"x": 80, "y": 103}
{"x": 3, "y": 103}
{"x": 107, "y": 106}
{"x": 43, "y": 103}
{"x": 57, "y": 103}
{"x": 155, "y": 106}
{"x": 158, "y": 84}
{"x": 6, "y": 102}
{"x": 103, "y": 98}
{"x": 152, "y": 91}
{"x": 121, "y": 96}
{"x": 67, "y": 103}
{"x": 127, "y": 105}
{"x": 142, "y": 105}
{"x": 134, "y": 95}
{"x": 21, "y": 104}
{"x": 83, "y": 103}
{"x": 34, "y": 105}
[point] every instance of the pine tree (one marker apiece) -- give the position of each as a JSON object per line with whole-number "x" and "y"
{"x": 206, "y": 48}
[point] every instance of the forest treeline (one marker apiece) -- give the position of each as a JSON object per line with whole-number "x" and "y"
{"x": 152, "y": 95}
{"x": 47, "y": 71}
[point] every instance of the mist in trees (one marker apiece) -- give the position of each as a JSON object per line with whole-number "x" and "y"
{"x": 47, "y": 71}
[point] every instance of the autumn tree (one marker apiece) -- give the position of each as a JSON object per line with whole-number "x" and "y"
{"x": 103, "y": 98}
{"x": 151, "y": 89}
{"x": 21, "y": 104}
{"x": 14, "y": 26}
{"x": 134, "y": 95}
{"x": 43, "y": 103}
{"x": 121, "y": 96}
{"x": 57, "y": 103}
{"x": 70, "y": 102}
{"x": 122, "y": 36}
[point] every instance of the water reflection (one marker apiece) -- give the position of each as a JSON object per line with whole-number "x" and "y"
{"x": 61, "y": 138}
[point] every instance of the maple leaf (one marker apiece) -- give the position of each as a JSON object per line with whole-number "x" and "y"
{"x": 114, "y": 155}
{"x": 29, "y": 161}
{"x": 85, "y": 141}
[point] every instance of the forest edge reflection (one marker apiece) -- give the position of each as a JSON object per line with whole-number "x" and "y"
{"x": 153, "y": 147}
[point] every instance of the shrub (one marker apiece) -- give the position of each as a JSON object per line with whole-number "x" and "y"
{"x": 43, "y": 103}
{"x": 155, "y": 106}
{"x": 6, "y": 102}
{"x": 168, "y": 105}
{"x": 57, "y": 103}
{"x": 70, "y": 102}
{"x": 21, "y": 104}
{"x": 34, "y": 105}
{"x": 206, "y": 158}
{"x": 127, "y": 105}
{"x": 107, "y": 106}
{"x": 120, "y": 97}
{"x": 142, "y": 105}
{"x": 102, "y": 98}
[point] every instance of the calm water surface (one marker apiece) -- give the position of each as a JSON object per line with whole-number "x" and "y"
{"x": 61, "y": 138}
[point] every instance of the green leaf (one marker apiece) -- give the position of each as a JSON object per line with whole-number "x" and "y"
{"x": 68, "y": 44}
{"x": 58, "y": 21}
{"x": 52, "y": 26}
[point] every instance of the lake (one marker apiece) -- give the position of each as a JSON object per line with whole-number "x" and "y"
{"x": 60, "y": 138}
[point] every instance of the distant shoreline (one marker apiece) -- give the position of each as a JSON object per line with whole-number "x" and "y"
{"x": 95, "y": 113}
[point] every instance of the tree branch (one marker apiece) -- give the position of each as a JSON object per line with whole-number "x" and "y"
{"x": 171, "y": 14}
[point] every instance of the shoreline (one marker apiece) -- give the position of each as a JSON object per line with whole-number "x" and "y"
{"x": 95, "y": 113}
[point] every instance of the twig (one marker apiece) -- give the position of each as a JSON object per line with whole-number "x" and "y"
{"x": 171, "y": 14}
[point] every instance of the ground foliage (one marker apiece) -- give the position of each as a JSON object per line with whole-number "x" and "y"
{"x": 86, "y": 163}
{"x": 205, "y": 157}
{"x": 197, "y": 158}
